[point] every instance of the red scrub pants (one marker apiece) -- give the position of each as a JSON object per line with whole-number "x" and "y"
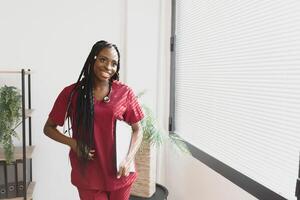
{"x": 120, "y": 194}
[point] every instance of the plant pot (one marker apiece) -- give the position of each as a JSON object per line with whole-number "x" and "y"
{"x": 145, "y": 161}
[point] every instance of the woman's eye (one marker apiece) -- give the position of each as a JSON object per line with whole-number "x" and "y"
{"x": 102, "y": 60}
{"x": 115, "y": 64}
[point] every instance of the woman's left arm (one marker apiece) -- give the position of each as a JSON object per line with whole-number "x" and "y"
{"x": 136, "y": 140}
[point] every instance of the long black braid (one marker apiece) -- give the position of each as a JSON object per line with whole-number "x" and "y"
{"x": 83, "y": 115}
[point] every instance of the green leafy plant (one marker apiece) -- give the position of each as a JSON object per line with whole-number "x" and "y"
{"x": 154, "y": 135}
{"x": 10, "y": 107}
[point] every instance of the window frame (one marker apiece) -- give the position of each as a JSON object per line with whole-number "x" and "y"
{"x": 244, "y": 182}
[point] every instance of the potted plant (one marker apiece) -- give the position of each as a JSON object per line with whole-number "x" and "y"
{"x": 145, "y": 159}
{"x": 10, "y": 107}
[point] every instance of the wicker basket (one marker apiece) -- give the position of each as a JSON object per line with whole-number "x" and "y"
{"x": 145, "y": 161}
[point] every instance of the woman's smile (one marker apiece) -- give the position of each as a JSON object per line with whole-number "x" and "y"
{"x": 105, "y": 74}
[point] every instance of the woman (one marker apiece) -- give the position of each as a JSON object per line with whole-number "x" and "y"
{"x": 92, "y": 105}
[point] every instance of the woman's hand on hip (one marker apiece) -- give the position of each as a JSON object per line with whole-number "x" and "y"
{"x": 123, "y": 169}
{"x": 73, "y": 145}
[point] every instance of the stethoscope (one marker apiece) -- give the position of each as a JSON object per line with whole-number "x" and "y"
{"x": 106, "y": 99}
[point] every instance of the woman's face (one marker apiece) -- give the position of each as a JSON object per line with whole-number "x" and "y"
{"x": 106, "y": 64}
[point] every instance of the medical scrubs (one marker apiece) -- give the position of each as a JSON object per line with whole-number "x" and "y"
{"x": 101, "y": 172}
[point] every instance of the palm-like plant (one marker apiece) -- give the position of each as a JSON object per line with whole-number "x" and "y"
{"x": 10, "y": 107}
{"x": 154, "y": 135}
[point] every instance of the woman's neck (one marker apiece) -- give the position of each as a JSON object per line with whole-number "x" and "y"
{"x": 100, "y": 84}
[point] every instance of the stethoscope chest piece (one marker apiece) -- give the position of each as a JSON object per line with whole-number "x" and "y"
{"x": 106, "y": 99}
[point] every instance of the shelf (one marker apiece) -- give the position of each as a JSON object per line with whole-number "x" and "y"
{"x": 29, "y": 193}
{"x": 28, "y": 112}
{"x": 14, "y": 71}
{"x": 18, "y": 153}
{"x": 18, "y": 165}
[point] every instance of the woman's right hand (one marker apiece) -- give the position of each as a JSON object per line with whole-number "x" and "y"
{"x": 73, "y": 145}
{"x": 51, "y": 131}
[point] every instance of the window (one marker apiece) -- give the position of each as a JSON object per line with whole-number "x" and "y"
{"x": 237, "y": 86}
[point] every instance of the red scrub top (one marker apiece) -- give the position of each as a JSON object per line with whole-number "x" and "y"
{"x": 101, "y": 172}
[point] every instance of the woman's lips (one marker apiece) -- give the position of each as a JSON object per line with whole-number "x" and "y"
{"x": 105, "y": 74}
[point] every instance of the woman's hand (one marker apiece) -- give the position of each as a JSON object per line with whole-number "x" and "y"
{"x": 51, "y": 131}
{"x": 123, "y": 168}
{"x": 73, "y": 145}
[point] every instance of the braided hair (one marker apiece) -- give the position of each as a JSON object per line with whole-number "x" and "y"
{"x": 83, "y": 115}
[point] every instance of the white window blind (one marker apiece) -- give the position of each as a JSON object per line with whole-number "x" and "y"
{"x": 237, "y": 86}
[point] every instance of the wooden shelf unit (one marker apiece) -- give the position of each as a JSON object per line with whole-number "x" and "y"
{"x": 22, "y": 154}
{"x": 28, "y": 112}
{"x": 18, "y": 153}
{"x": 30, "y": 189}
{"x": 14, "y": 72}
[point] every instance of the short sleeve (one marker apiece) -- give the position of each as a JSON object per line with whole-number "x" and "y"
{"x": 57, "y": 114}
{"x": 133, "y": 112}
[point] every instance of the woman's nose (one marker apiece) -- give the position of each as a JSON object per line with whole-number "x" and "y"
{"x": 109, "y": 65}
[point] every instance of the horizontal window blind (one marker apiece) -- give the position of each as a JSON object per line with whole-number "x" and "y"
{"x": 237, "y": 86}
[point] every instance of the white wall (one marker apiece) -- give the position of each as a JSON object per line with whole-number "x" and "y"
{"x": 143, "y": 52}
{"x": 142, "y": 46}
{"x": 53, "y": 38}
{"x": 187, "y": 178}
